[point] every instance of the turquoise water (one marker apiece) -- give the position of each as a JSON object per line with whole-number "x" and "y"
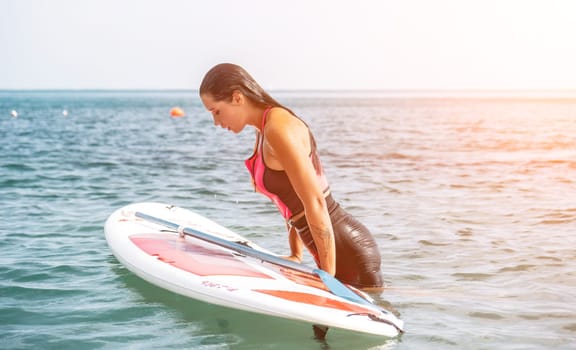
{"x": 472, "y": 200}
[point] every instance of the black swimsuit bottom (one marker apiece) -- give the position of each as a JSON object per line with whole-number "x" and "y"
{"x": 357, "y": 255}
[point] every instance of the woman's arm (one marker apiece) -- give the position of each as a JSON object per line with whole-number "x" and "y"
{"x": 295, "y": 245}
{"x": 288, "y": 143}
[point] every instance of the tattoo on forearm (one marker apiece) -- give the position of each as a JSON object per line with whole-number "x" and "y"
{"x": 323, "y": 233}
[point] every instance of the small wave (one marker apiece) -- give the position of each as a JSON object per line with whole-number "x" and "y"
{"x": 22, "y": 316}
{"x": 462, "y": 186}
{"x": 553, "y": 258}
{"x": 517, "y": 268}
{"x": 465, "y": 232}
{"x": 547, "y": 163}
{"x": 18, "y": 182}
{"x": 17, "y": 167}
{"x": 556, "y": 222}
{"x": 470, "y": 276}
{"x": 396, "y": 155}
{"x": 531, "y": 317}
{"x": 486, "y": 315}
{"x": 558, "y": 217}
{"x": 434, "y": 244}
{"x": 37, "y": 291}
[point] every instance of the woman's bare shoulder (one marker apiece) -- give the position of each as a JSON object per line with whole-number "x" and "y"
{"x": 282, "y": 121}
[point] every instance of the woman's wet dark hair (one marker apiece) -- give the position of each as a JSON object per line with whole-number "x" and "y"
{"x": 223, "y": 79}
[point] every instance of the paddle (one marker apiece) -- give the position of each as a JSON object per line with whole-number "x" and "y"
{"x": 333, "y": 285}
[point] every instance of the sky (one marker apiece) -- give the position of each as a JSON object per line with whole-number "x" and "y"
{"x": 291, "y": 44}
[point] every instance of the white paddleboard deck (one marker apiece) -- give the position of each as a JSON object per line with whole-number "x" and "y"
{"x": 217, "y": 275}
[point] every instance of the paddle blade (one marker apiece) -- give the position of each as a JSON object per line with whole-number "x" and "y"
{"x": 340, "y": 289}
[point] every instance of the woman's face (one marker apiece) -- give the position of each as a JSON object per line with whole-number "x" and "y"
{"x": 226, "y": 114}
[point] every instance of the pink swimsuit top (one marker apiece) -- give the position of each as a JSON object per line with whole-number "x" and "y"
{"x": 275, "y": 183}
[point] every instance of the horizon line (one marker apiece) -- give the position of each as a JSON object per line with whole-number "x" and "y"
{"x": 311, "y": 90}
{"x": 368, "y": 93}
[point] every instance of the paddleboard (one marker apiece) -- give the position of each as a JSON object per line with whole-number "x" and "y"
{"x": 186, "y": 253}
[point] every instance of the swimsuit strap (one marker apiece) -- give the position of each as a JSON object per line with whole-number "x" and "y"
{"x": 264, "y": 118}
{"x": 261, "y": 138}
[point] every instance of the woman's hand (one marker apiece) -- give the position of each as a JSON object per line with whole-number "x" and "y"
{"x": 293, "y": 258}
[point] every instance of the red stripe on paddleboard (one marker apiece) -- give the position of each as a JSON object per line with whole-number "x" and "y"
{"x": 194, "y": 258}
{"x": 315, "y": 300}
{"x": 303, "y": 278}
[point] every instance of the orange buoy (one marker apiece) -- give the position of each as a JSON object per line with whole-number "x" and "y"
{"x": 177, "y": 112}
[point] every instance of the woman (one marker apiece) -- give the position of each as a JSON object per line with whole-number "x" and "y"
{"x": 285, "y": 167}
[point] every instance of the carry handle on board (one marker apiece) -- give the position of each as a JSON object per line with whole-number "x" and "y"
{"x": 335, "y": 286}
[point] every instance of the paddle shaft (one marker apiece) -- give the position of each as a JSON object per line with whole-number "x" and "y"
{"x": 238, "y": 247}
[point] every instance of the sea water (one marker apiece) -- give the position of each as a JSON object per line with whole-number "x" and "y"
{"x": 472, "y": 201}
